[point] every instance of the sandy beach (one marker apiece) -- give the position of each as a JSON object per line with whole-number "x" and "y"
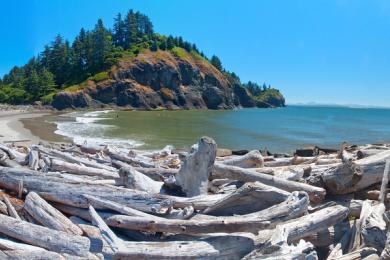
{"x": 12, "y": 128}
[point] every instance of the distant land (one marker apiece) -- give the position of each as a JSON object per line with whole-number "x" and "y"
{"x": 130, "y": 66}
{"x": 316, "y": 104}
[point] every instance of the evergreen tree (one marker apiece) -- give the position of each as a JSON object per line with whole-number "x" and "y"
{"x": 118, "y": 36}
{"x": 187, "y": 46}
{"x": 130, "y": 29}
{"x": 163, "y": 45}
{"x": 216, "y": 62}
{"x": 154, "y": 47}
{"x": 180, "y": 42}
{"x": 101, "y": 47}
{"x": 170, "y": 42}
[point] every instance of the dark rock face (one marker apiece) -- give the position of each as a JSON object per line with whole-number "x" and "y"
{"x": 160, "y": 79}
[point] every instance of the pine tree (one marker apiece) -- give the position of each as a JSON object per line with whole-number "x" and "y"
{"x": 118, "y": 36}
{"x": 163, "y": 45}
{"x": 170, "y": 42}
{"x": 130, "y": 29}
{"x": 101, "y": 47}
{"x": 154, "y": 46}
{"x": 216, "y": 62}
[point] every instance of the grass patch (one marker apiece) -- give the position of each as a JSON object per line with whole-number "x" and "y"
{"x": 180, "y": 53}
{"x": 99, "y": 77}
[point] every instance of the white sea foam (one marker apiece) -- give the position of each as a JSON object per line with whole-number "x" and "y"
{"x": 84, "y": 128}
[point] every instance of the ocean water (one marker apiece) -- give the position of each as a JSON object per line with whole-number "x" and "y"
{"x": 278, "y": 130}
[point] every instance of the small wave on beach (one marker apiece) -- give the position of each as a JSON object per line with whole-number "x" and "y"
{"x": 84, "y": 127}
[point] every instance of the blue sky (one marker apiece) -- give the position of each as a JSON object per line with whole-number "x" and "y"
{"x": 325, "y": 51}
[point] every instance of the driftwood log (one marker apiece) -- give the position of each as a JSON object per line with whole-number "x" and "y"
{"x": 195, "y": 171}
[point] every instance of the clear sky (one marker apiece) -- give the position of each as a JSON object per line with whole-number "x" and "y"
{"x": 324, "y": 51}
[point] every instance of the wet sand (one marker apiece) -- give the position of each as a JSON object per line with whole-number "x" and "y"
{"x": 26, "y": 127}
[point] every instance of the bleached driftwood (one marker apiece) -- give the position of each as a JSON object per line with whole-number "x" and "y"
{"x": 115, "y": 243}
{"x": 221, "y": 171}
{"x": 195, "y": 170}
{"x": 52, "y": 240}
{"x": 33, "y": 159}
{"x": 123, "y": 209}
{"x": 290, "y": 172}
{"x": 219, "y": 246}
{"x": 117, "y": 155}
{"x": 3, "y": 208}
{"x": 133, "y": 179}
{"x": 59, "y": 165}
{"x": 11, "y": 210}
{"x": 6, "y": 161}
{"x": 72, "y": 159}
{"x": 355, "y": 176}
{"x": 252, "y": 159}
{"x": 295, "y": 206}
{"x": 48, "y": 216}
{"x": 249, "y": 198}
{"x": 56, "y": 189}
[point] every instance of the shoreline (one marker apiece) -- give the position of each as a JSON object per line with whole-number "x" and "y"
{"x": 13, "y": 129}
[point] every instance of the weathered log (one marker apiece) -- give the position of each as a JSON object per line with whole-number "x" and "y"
{"x": 252, "y": 159}
{"x": 117, "y": 155}
{"x": 72, "y": 159}
{"x": 355, "y": 176}
{"x": 195, "y": 170}
{"x": 329, "y": 236}
{"x": 364, "y": 153}
{"x": 123, "y": 209}
{"x": 11, "y": 210}
{"x": 373, "y": 226}
{"x": 56, "y": 189}
{"x": 310, "y": 224}
{"x": 358, "y": 254}
{"x": 291, "y": 172}
{"x": 48, "y": 216}
{"x": 341, "y": 246}
{"x": 59, "y": 165}
{"x": 13, "y": 154}
{"x": 221, "y": 246}
{"x": 249, "y": 198}
{"x": 221, "y": 171}
{"x": 295, "y": 206}
{"x": 115, "y": 243}
{"x": 133, "y": 179}
{"x": 157, "y": 173}
{"x": 3, "y": 208}
{"x": 33, "y": 159}
{"x": 303, "y": 250}
{"x": 52, "y": 240}
{"x": 6, "y": 161}
{"x": 31, "y": 255}
{"x": 91, "y": 148}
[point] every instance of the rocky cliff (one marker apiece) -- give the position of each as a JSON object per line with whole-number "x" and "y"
{"x": 161, "y": 79}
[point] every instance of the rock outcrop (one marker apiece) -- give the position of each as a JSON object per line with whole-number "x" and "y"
{"x": 161, "y": 79}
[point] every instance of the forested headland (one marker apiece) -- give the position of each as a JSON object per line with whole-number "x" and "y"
{"x": 65, "y": 65}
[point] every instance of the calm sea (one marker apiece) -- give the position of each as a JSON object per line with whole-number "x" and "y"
{"x": 279, "y": 130}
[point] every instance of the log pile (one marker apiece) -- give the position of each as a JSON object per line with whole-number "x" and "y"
{"x": 64, "y": 201}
